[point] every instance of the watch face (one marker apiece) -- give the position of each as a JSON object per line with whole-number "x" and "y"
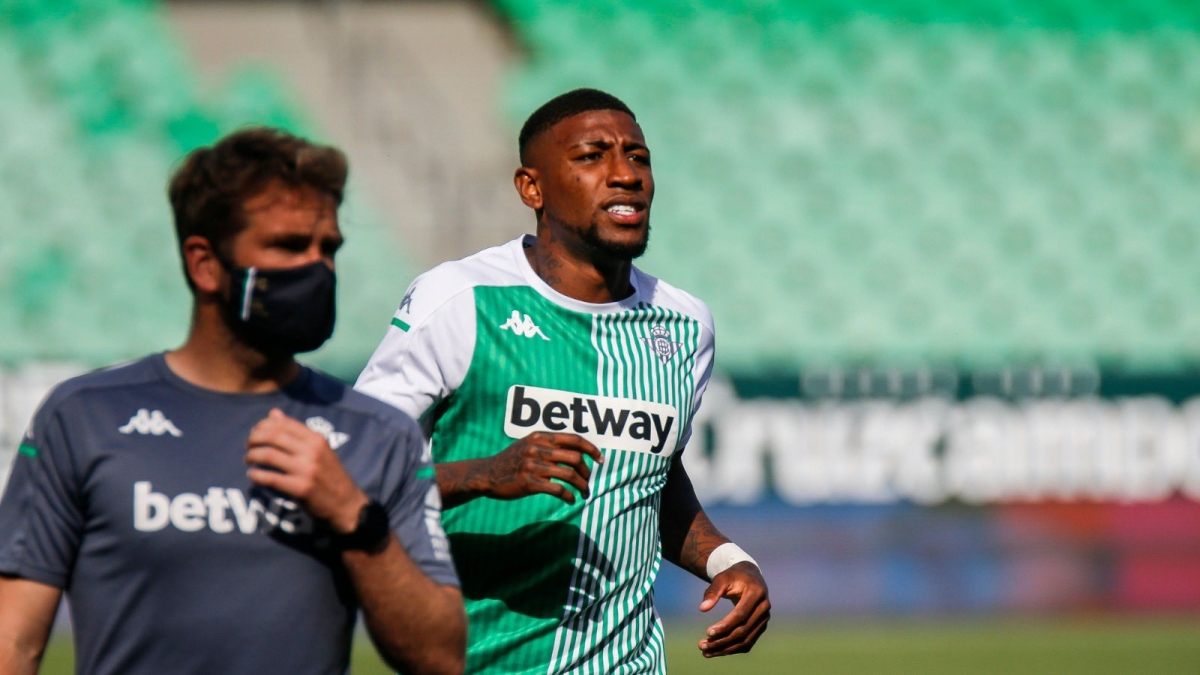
{"x": 372, "y": 532}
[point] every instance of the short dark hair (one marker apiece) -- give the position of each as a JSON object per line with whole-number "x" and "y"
{"x": 563, "y": 106}
{"x": 211, "y": 187}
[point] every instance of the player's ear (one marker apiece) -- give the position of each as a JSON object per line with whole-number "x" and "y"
{"x": 526, "y": 181}
{"x": 203, "y": 267}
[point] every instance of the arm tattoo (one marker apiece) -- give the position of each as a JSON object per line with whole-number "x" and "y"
{"x": 503, "y": 475}
{"x": 454, "y": 480}
{"x": 688, "y": 536}
{"x": 460, "y": 482}
{"x": 701, "y": 539}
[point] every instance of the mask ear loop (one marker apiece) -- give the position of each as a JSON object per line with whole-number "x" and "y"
{"x": 247, "y": 291}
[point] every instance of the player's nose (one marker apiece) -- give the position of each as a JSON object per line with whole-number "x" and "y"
{"x": 623, "y": 173}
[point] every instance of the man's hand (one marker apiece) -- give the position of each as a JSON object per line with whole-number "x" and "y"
{"x": 522, "y": 469}
{"x": 418, "y": 625}
{"x": 26, "y": 614}
{"x": 740, "y": 629}
{"x": 287, "y": 456}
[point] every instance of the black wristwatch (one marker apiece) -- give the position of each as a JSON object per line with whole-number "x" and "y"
{"x": 372, "y": 532}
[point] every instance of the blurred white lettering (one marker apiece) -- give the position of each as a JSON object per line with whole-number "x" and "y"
{"x": 928, "y": 450}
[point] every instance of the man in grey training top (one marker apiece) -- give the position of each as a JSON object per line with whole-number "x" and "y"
{"x": 131, "y": 491}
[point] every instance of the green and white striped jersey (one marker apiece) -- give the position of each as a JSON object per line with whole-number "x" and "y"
{"x": 483, "y": 352}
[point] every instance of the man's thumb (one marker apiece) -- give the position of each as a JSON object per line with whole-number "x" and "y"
{"x": 712, "y": 595}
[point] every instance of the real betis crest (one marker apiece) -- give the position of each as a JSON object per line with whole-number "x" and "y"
{"x": 662, "y": 344}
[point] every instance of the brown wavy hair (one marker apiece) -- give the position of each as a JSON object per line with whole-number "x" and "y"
{"x": 210, "y": 188}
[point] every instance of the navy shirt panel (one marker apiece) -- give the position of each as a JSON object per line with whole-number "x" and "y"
{"x": 131, "y": 494}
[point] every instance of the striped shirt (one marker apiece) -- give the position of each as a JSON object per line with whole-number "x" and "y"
{"x": 483, "y": 352}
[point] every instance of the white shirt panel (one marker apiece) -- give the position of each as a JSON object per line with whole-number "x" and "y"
{"x": 413, "y": 369}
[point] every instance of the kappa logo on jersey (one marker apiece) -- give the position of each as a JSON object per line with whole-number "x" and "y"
{"x": 154, "y": 423}
{"x": 190, "y": 512}
{"x": 406, "y": 302}
{"x": 662, "y": 344}
{"x": 324, "y": 427}
{"x": 606, "y": 421}
{"x": 523, "y": 327}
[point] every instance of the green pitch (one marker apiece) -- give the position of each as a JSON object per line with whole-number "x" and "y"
{"x": 1101, "y": 646}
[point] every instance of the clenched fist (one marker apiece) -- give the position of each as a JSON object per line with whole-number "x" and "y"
{"x": 287, "y": 456}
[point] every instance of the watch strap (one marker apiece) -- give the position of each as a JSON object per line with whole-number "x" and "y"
{"x": 372, "y": 532}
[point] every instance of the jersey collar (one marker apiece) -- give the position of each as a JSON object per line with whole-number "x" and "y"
{"x": 517, "y": 247}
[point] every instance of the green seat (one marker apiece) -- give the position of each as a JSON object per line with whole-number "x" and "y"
{"x": 105, "y": 104}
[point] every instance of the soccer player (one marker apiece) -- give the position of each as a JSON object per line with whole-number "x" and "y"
{"x": 131, "y": 491}
{"x": 557, "y": 384}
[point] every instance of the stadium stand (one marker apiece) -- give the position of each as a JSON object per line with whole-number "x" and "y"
{"x": 882, "y": 182}
{"x": 875, "y": 183}
{"x": 98, "y": 102}
{"x": 905, "y": 182}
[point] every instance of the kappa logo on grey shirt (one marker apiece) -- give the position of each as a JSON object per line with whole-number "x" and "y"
{"x": 150, "y": 422}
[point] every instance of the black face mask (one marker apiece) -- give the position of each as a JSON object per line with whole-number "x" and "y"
{"x": 282, "y": 311}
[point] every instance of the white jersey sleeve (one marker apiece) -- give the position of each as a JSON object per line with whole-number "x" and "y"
{"x": 427, "y": 350}
{"x": 703, "y": 370}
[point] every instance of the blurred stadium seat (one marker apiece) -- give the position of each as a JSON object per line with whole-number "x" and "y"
{"x": 98, "y": 102}
{"x": 963, "y": 183}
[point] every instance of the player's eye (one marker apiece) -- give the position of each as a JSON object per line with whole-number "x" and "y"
{"x": 329, "y": 248}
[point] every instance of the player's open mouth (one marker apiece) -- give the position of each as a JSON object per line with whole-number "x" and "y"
{"x": 626, "y": 213}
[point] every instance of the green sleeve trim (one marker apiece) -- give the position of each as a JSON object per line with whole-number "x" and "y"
{"x": 400, "y": 324}
{"x": 27, "y": 450}
{"x": 425, "y": 472}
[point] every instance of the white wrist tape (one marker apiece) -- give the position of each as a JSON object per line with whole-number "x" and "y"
{"x": 725, "y": 556}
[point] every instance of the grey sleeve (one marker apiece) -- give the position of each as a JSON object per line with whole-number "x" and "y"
{"x": 414, "y": 507}
{"x": 41, "y": 517}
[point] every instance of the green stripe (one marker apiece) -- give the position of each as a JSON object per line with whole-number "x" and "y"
{"x": 425, "y": 472}
{"x": 27, "y": 450}
{"x": 610, "y": 625}
{"x": 400, "y": 324}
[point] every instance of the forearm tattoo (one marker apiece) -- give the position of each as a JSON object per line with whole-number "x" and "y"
{"x": 688, "y": 536}
{"x": 701, "y": 540}
{"x": 457, "y": 481}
